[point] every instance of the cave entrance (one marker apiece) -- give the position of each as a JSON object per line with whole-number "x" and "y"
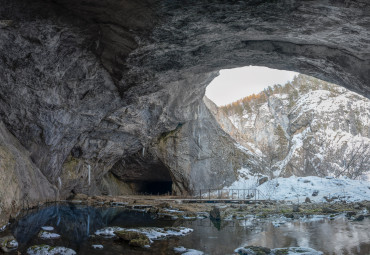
{"x": 144, "y": 174}
{"x": 152, "y": 187}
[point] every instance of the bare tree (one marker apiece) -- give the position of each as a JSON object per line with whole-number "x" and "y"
{"x": 352, "y": 160}
{"x": 355, "y": 161}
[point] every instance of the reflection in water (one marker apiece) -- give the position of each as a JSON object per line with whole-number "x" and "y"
{"x": 339, "y": 236}
{"x": 75, "y": 223}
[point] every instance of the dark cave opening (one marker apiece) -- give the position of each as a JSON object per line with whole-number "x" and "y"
{"x": 144, "y": 175}
{"x": 153, "y": 187}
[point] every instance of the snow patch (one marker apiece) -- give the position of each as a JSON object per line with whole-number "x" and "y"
{"x": 47, "y": 228}
{"x": 4, "y": 227}
{"x": 151, "y": 233}
{"x": 287, "y": 251}
{"x": 49, "y": 250}
{"x": 296, "y": 189}
{"x": 48, "y": 235}
{"x": 185, "y": 251}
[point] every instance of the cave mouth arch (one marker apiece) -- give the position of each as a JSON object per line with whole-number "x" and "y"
{"x": 144, "y": 175}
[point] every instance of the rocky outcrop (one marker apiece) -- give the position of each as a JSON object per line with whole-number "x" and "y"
{"x": 224, "y": 122}
{"x": 201, "y": 155}
{"x": 22, "y": 183}
{"x": 87, "y": 84}
{"x": 309, "y": 127}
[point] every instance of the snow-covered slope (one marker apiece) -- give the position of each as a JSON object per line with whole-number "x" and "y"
{"x": 297, "y": 189}
{"x": 306, "y": 128}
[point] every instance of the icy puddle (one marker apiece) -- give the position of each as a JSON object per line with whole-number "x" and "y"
{"x": 79, "y": 229}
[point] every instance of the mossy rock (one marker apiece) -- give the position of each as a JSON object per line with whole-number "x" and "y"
{"x": 257, "y": 250}
{"x": 129, "y": 235}
{"x": 282, "y": 252}
{"x": 140, "y": 242}
{"x": 8, "y": 243}
{"x": 172, "y": 229}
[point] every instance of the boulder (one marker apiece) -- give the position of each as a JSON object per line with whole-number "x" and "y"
{"x": 254, "y": 250}
{"x": 8, "y": 243}
{"x": 133, "y": 237}
{"x": 262, "y": 180}
{"x": 139, "y": 242}
{"x": 128, "y": 235}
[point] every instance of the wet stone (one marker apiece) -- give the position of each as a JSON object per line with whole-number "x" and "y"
{"x": 140, "y": 242}
{"x": 135, "y": 238}
{"x": 252, "y": 250}
{"x": 359, "y": 218}
{"x": 8, "y": 243}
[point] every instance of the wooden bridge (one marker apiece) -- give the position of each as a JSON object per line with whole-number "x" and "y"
{"x": 226, "y": 196}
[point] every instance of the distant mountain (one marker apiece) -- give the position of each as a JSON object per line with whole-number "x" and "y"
{"x": 305, "y": 127}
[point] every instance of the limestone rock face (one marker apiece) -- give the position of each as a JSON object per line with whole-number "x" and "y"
{"x": 309, "y": 127}
{"x": 87, "y": 84}
{"x": 22, "y": 183}
{"x": 201, "y": 155}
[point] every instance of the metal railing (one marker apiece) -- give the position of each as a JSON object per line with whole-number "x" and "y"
{"x": 230, "y": 194}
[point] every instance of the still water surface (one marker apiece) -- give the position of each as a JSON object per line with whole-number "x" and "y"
{"x": 76, "y": 224}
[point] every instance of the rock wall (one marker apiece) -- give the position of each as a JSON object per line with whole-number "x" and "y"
{"x": 22, "y": 183}
{"x": 86, "y": 84}
{"x": 201, "y": 155}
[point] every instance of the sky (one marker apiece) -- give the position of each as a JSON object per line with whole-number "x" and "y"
{"x": 236, "y": 83}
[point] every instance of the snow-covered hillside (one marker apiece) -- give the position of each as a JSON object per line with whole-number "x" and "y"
{"x": 297, "y": 189}
{"x": 305, "y": 128}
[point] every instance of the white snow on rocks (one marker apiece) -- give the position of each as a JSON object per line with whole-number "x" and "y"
{"x": 151, "y": 232}
{"x": 182, "y": 250}
{"x": 47, "y": 228}
{"x": 49, "y": 250}
{"x": 48, "y": 235}
{"x": 4, "y": 227}
{"x": 296, "y": 189}
{"x": 288, "y": 251}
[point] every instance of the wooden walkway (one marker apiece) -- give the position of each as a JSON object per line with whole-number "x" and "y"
{"x": 226, "y": 201}
{"x": 237, "y": 196}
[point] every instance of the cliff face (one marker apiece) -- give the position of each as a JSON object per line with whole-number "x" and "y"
{"x": 309, "y": 127}
{"x": 22, "y": 183}
{"x": 86, "y": 85}
{"x": 201, "y": 155}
